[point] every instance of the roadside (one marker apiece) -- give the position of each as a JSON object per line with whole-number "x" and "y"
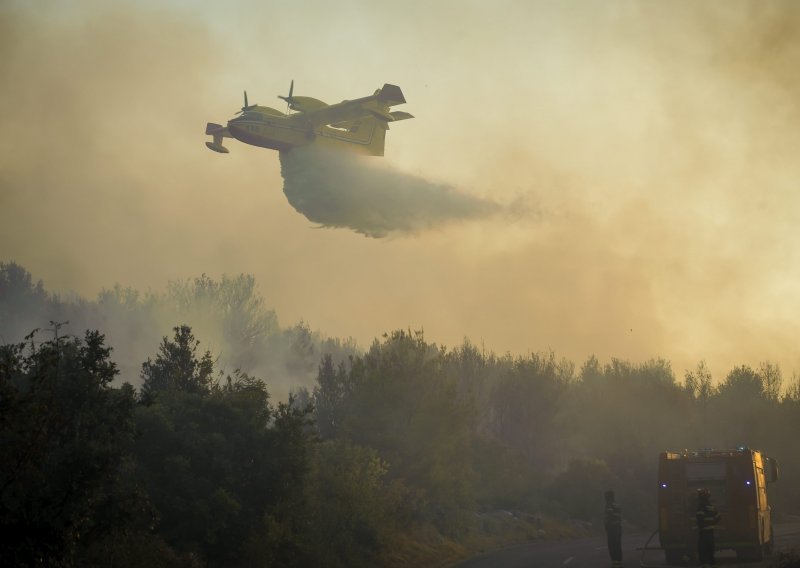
{"x": 491, "y": 531}
{"x": 591, "y": 551}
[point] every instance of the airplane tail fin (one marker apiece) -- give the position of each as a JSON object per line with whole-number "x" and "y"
{"x": 212, "y": 128}
{"x": 391, "y": 95}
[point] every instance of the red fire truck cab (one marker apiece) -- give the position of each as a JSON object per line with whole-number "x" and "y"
{"x": 738, "y": 482}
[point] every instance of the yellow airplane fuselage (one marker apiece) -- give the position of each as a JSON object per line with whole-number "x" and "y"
{"x": 284, "y": 132}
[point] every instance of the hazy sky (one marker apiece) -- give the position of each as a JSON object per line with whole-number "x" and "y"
{"x": 655, "y": 145}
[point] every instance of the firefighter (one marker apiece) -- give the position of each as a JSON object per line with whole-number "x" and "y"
{"x": 613, "y": 524}
{"x": 707, "y": 518}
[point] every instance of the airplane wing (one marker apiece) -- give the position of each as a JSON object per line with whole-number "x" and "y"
{"x": 376, "y": 105}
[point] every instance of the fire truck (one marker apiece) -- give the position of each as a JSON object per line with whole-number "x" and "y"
{"x": 738, "y": 482}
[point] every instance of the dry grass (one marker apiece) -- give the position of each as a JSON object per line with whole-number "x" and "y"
{"x": 426, "y": 547}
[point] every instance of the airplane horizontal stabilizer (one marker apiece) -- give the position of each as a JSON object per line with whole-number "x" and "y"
{"x": 400, "y": 115}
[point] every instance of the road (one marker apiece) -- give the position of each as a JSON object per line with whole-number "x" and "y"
{"x": 593, "y": 553}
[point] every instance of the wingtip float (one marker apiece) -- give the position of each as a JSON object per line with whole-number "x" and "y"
{"x": 358, "y": 126}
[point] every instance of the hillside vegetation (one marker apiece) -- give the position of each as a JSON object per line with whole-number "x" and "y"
{"x": 405, "y": 453}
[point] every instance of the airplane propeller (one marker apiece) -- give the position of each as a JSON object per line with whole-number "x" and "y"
{"x": 289, "y": 100}
{"x": 246, "y": 106}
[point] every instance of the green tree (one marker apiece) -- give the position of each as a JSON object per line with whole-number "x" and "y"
{"x": 231, "y": 306}
{"x": 401, "y": 400}
{"x": 177, "y": 367}
{"x": 739, "y": 413}
{"x": 352, "y": 508}
{"x": 792, "y": 394}
{"x": 624, "y": 414}
{"x": 24, "y": 304}
{"x": 771, "y": 380}
{"x": 578, "y": 490}
{"x": 526, "y": 403}
{"x": 223, "y": 468}
{"x": 301, "y": 353}
{"x": 742, "y": 382}
{"x": 65, "y": 438}
{"x": 699, "y": 383}
{"x": 331, "y": 396}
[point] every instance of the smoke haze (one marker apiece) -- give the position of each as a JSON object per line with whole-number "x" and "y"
{"x": 659, "y": 142}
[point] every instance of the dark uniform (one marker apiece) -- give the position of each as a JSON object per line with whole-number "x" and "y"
{"x": 613, "y": 524}
{"x": 707, "y": 518}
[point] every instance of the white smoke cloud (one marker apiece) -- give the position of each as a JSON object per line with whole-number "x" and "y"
{"x": 338, "y": 189}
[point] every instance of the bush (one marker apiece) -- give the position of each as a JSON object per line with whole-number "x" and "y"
{"x": 577, "y": 492}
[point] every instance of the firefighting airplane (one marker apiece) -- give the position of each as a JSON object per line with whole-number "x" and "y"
{"x": 359, "y": 125}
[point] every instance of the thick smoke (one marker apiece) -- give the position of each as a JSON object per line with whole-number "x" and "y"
{"x": 661, "y": 140}
{"x": 339, "y": 189}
